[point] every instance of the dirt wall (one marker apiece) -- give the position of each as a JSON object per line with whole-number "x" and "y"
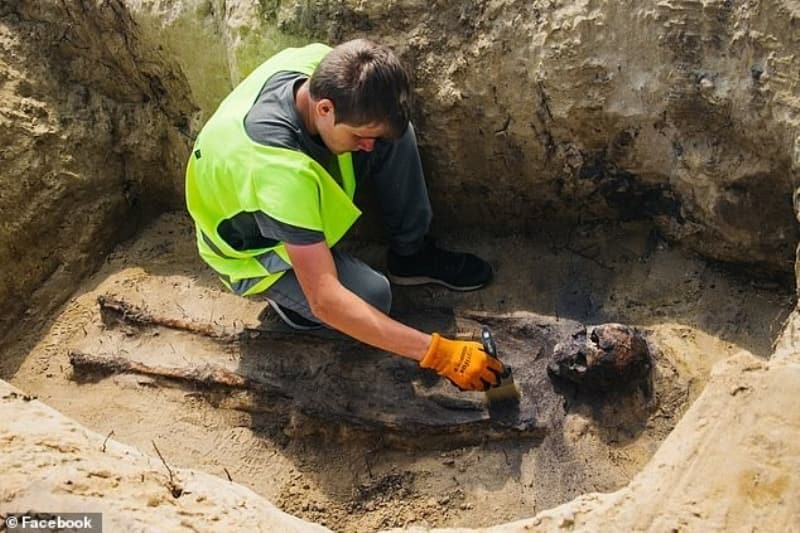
{"x": 94, "y": 125}
{"x": 528, "y": 112}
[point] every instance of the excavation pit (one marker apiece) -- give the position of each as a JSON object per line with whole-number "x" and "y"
{"x": 664, "y": 127}
{"x": 153, "y": 349}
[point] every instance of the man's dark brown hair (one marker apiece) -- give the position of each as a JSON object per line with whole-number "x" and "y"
{"x": 367, "y": 84}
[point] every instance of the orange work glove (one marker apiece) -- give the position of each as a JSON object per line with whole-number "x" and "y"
{"x": 464, "y": 363}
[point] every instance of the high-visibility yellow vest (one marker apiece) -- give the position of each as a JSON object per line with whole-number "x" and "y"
{"x": 229, "y": 173}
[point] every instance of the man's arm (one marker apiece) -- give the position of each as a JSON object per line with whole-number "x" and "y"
{"x": 340, "y": 308}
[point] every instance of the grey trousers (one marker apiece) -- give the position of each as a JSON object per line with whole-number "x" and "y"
{"x": 396, "y": 172}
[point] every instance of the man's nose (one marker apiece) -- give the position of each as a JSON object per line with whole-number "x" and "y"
{"x": 366, "y": 145}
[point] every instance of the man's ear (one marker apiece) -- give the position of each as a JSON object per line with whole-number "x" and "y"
{"x": 324, "y": 107}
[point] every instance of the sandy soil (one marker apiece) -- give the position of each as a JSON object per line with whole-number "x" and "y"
{"x": 695, "y": 313}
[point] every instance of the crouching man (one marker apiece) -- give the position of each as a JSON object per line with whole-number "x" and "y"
{"x": 270, "y": 185}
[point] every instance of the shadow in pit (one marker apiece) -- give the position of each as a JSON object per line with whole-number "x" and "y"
{"x": 324, "y": 376}
{"x": 359, "y": 421}
{"x": 336, "y": 386}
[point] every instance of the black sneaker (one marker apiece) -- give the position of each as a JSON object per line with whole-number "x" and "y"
{"x": 292, "y": 318}
{"x": 455, "y": 270}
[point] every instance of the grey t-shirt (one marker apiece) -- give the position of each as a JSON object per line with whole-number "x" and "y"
{"x": 273, "y": 121}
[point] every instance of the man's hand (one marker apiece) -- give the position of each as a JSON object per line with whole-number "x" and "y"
{"x": 464, "y": 363}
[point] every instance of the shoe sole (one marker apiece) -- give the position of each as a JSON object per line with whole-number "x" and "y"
{"x": 294, "y": 325}
{"x": 422, "y": 280}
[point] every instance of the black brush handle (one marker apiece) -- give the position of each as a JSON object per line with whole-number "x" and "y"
{"x": 488, "y": 341}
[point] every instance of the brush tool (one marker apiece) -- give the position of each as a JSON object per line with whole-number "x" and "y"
{"x": 506, "y": 390}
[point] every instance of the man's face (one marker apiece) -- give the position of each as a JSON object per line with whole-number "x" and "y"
{"x": 341, "y": 138}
